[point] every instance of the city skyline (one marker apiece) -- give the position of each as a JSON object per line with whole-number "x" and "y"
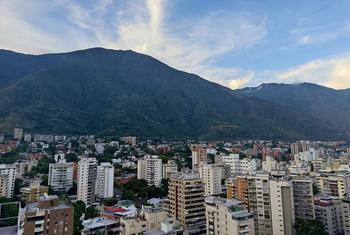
{"x": 236, "y": 44}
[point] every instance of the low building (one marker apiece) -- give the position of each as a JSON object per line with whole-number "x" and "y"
{"x": 33, "y": 192}
{"x": 99, "y": 226}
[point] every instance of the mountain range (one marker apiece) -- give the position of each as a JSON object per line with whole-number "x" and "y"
{"x": 112, "y": 92}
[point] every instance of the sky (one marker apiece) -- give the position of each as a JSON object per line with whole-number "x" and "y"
{"x": 230, "y": 42}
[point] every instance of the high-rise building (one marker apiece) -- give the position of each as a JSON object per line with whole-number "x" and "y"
{"x": 337, "y": 185}
{"x": 87, "y": 173}
{"x": 199, "y": 155}
{"x": 169, "y": 168}
{"x": 17, "y": 133}
{"x": 282, "y": 208}
{"x": 149, "y": 168}
{"x": 345, "y": 204}
{"x": 61, "y": 176}
{"x": 259, "y": 203}
{"x": 105, "y": 180}
{"x": 211, "y": 175}
{"x": 186, "y": 202}
{"x": 7, "y": 180}
{"x": 303, "y": 197}
{"x": 237, "y": 188}
{"x": 248, "y": 166}
{"x": 233, "y": 161}
{"x": 328, "y": 210}
{"x": 226, "y": 217}
{"x": 47, "y": 216}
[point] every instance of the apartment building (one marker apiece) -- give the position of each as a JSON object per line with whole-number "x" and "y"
{"x": 282, "y": 207}
{"x": 87, "y": 173}
{"x": 303, "y": 197}
{"x": 186, "y": 202}
{"x": 345, "y": 204}
{"x": 105, "y": 180}
{"x": 336, "y": 185}
{"x": 7, "y": 180}
{"x": 227, "y": 216}
{"x": 33, "y": 192}
{"x": 150, "y": 169}
{"x": 61, "y": 176}
{"x": 211, "y": 175}
{"x": 46, "y": 216}
{"x": 199, "y": 155}
{"x": 237, "y": 188}
{"x": 328, "y": 210}
{"x": 259, "y": 203}
{"x": 169, "y": 168}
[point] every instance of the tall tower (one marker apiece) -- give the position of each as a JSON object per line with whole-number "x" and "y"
{"x": 105, "y": 180}
{"x": 87, "y": 172}
{"x": 186, "y": 202}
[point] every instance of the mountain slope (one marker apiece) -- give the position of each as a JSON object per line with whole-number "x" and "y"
{"x": 112, "y": 92}
{"x": 322, "y": 103}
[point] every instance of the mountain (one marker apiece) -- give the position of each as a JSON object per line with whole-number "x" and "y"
{"x": 325, "y": 104}
{"x": 109, "y": 92}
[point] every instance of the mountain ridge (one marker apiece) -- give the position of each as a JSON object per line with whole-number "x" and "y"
{"x": 104, "y": 91}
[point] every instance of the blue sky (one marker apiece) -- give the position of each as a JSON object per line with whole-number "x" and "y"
{"x": 234, "y": 43}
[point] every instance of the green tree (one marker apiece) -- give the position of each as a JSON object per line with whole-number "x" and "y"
{"x": 309, "y": 227}
{"x": 91, "y": 212}
{"x": 8, "y": 211}
{"x": 79, "y": 209}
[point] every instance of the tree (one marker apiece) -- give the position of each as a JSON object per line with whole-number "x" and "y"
{"x": 8, "y": 211}
{"x": 18, "y": 185}
{"x": 91, "y": 212}
{"x": 110, "y": 202}
{"x": 79, "y": 209}
{"x": 309, "y": 227}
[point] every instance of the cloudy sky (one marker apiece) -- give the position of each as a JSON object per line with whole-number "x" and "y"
{"x": 234, "y": 43}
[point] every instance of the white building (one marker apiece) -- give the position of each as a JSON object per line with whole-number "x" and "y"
{"x": 7, "y": 180}
{"x": 211, "y": 175}
{"x": 282, "y": 207}
{"x": 248, "y": 166}
{"x": 17, "y": 133}
{"x": 28, "y": 138}
{"x": 61, "y": 176}
{"x": 226, "y": 217}
{"x": 149, "y": 168}
{"x": 233, "y": 161}
{"x": 105, "y": 180}
{"x": 169, "y": 168}
{"x": 269, "y": 164}
{"x": 87, "y": 172}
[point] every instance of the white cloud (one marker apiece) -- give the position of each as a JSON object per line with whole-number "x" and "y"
{"x": 331, "y": 72}
{"x": 191, "y": 44}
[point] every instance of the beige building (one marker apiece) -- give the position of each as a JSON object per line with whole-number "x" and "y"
{"x": 150, "y": 169}
{"x": 259, "y": 203}
{"x": 211, "y": 175}
{"x": 226, "y": 217}
{"x": 33, "y": 192}
{"x": 186, "y": 202}
{"x": 46, "y": 217}
{"x": 150, "y": 219}
{"x": 336, "y": 185}
{"x": 7, "y": 180}
{"x": 282, "y": 208}
{"x": 169, "y": 168}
